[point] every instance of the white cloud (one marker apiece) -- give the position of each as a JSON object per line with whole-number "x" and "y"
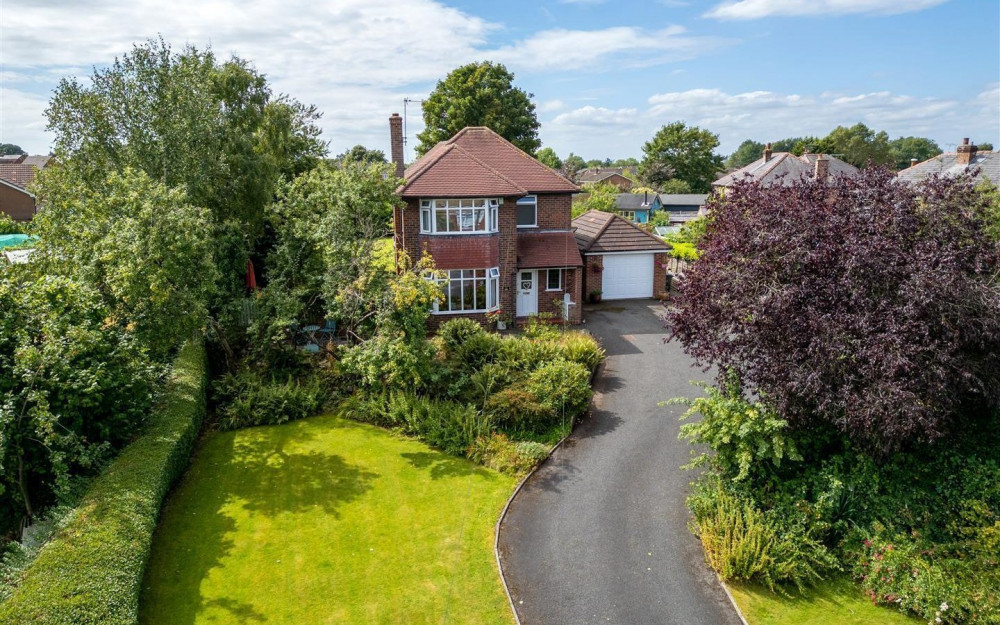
{"x": 765, "y": 115}
{"x": 755, "y": 9}
{"x": 551, "y": 106}
{"x": 615, "y": 47}
{"x": 22, "y": 120}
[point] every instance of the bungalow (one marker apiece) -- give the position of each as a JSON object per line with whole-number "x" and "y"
{"x": 966, "y": 159}
{"x": 605, "y": 175}
{"x": 683, "y": 207}
{"x": 637, "y": 207}
{"x": 786, "y": 168}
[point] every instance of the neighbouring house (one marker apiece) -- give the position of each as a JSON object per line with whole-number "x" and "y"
{"x": 17, "y": 172}
{"x": 637, "y": 207}
{"x": 683, "y": 207}
{"x": 966, "y": 159}
{"x": 617, "y": 176}
{"x": 786, "y": 168}
{"x": 622, "y": 261}
{"x": 495, "y": 220}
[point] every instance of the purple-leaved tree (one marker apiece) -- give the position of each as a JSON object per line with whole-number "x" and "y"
{"x": 865, "y": 303}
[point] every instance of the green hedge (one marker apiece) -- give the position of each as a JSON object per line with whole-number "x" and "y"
{"x": 91, "y": 572}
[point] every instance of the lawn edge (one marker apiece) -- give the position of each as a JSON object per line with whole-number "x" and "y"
{"x": 732, "y": 599}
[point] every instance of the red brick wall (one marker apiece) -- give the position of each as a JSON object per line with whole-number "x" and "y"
{"x": 592, "y": 274}
{"x": 16, "y": 204}
{"x": 555, "y": 211}
{"x": 551, "y": 301}
{"x": 659, "y": 273}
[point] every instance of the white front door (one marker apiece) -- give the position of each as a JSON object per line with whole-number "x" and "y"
{"x": 527, "y": 293}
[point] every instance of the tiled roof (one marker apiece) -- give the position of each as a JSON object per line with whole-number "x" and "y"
{"x": 600, "y": 173}
{"x": 22, "y": 172}
{"x": 598, "y": 231}
{"x": 683, "y": 199}
{"x": 477, "y": 162}
{"x": 987, "y": 164}
{"x": 538, "y": 250}
{"x": 786, "y": 169}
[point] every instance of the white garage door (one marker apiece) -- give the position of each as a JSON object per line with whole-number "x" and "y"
{"x": 627, "y": 275}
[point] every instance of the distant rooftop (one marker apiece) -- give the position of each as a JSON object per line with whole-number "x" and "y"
{"x": 786, "y": 169}
{"x": 967, "y": 159}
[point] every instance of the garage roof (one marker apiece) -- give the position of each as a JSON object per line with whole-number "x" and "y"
{"x": 600, "y": 232}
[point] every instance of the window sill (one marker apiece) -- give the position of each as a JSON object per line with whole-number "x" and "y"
{"x": 464, "y": 312}
{"x": 458, "y": 234}
{"x": 527, "y": 227}
{"x": 553, "y": 290}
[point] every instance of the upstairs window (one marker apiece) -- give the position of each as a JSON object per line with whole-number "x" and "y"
{"x": 527, "y": 212}
{"x": 458, "y": 216}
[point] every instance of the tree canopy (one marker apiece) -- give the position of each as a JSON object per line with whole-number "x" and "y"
{"x": 868, "y": 305}
{"x": 549, "y": 158}
{"x": 480, "y": 94}
{"x": 10, "y": 148}
{"x": 859, "y": 145}
{"x": 683, "y": 152}
{"x": 599, "y": 197}
{"x": 746, "y": 153}
{"x": 361, "y": 154}
{"x": 906, "y": 148}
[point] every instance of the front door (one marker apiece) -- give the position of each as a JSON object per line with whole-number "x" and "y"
{"x": 527, "y": 293}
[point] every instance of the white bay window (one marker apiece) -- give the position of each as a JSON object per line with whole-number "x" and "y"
{"x": 459, "y": 216}
{"x": 469, "y": 290}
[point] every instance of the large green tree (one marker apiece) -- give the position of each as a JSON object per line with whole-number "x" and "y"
{"x": 906, "y": 148}
{"x": 683, "y": 152}
{"x": 859, "y": 145}
{"x": 186, "y": 119}
{"x": 746, "y": 153}
{"x": 361, "y": 154}
{"x": 549, "y": 158}
{"x": 480, "y": 94}
{"x": 10, "y": 148}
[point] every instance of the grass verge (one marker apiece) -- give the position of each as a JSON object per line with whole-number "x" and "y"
{"x": 833, "y": 601}
{"x": 326, "y": 520}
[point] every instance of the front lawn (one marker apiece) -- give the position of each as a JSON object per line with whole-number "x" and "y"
{"x": 834, "y": 601}
{"x": 325, "y": 520}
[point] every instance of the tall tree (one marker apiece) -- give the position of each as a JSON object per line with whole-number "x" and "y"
{"x": 480, "y": 94}
{"x": 361, "y": 154}
{"x": 185, "y": 119}
{"x": 859, "y": 145}
{"x": 746, "y": 153}
{"x": 906, "y": 148}
{"x": 10, "y": 148}
{"x": 686, "y": 151}
{"x": 573, "y": 164}
{"x": 549, "y": 158}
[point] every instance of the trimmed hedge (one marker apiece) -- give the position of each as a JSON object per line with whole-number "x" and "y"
{"x": 91, "y": 572}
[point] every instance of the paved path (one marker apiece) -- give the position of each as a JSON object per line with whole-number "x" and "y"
{"x": 599, "y": 534}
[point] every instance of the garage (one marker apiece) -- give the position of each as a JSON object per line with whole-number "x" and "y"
{"x": 627, "y": 276}
{"x": 621, "y": 260}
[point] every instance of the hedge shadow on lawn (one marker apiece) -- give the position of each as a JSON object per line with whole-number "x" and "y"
{"x": 441, "y": 465}
{"x": 276, "y": 474}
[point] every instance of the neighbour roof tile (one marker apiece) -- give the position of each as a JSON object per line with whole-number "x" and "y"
{"x": 478, "y": 161}
{"x": 538, "y": 250}
{"x": 987, "y": 164}
{"x": 597, "y": 231}
{"x": 23, "y": 173}
{"x": 785, "y": 168}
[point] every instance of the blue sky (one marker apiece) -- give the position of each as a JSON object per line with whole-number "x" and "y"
{"x": 605, "y": 74}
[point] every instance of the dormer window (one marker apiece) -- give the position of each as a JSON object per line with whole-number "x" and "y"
{"x": 527, "y": 212}
{"x": 459, "y": 216}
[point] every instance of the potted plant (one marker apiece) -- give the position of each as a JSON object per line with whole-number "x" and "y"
{"x": 595, "y": 296}
{"x": 498, "y": 318}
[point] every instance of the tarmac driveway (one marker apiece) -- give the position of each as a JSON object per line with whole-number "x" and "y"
{"x": 599, "y": 534}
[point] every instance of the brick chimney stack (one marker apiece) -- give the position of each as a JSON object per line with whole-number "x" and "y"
{"x": 966, "y": 152}
{"x": 396, "y": 141}
{"x": 913, "y": 162}
{"x": 822, "y": 167}
{"x": 767, "y": 152}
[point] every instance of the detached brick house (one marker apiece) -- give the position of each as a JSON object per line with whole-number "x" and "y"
{"x": 17, "y": 172}
{"x": 496, "y": 220}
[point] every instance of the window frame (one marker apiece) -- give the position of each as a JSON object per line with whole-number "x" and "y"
{"x": 490, "y": 280}
{"x": 548, "y": 280}
{"x": 629, "y": 215}
{"x": 432, "y": 211}
{"x": 527, "y": 200}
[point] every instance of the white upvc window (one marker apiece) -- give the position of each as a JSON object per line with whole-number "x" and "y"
{"x": 527, "y": 212}
{"x": 553, "y": 280}
{"x": 630, "y": 215}
{"x": 459, "y": 216}
{"x": 469, "y": 291}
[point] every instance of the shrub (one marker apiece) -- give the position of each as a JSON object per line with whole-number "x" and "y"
{"x": 744, "y": 436}
{"x": 501, "y": 454}
{"x": 480, "y": 349}
{"x": 540, "y": 327}
{"x": 92, "y": 571}
{"x": 249, "y": 399}
{"x": 387, "y": 363}
{"x": 562, "y": 386}
{"x": 742, "y": 542}
{"x": 582, "y": 348}
{"x": 9, "y": 226}
{"x": 457, "y": 331}
{"x": 519, "y": 410}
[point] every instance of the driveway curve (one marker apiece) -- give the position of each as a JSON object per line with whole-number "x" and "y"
{"x": 599, "y": 533}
